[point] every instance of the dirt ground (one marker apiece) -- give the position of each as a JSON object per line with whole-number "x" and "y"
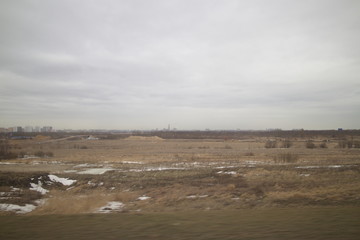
{"x": 141, "y": 174}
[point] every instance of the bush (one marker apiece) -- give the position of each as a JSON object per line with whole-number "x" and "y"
{"x": 49, "y": 154}
{"x": 270, "y": 144}
{"x": 286, "y": 144}
{"x": 342, "y": 144}
{"x": 5, "y": 150}
{"x": 286, "y": 158}
{"x": 323, "y": 145}
{"x": 310, "y": 144}
{"x": 39, "y": 154}
{"x": 356, "y": 144}
{"x": 249, "y": 154}
{"x": 22, "y": 154}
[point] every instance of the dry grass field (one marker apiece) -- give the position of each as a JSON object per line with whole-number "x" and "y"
{"x": 182, "y": 186}
{"x": 153, "y": 174}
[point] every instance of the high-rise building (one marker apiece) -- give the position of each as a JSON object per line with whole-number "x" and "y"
{"x": 28, "y": 129}
{"x": 46, "y": 129}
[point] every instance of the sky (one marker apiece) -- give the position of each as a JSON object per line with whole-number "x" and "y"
{"x": 199, "y": 64}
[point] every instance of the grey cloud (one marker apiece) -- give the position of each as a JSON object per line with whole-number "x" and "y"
{"x": 147, "y": 63}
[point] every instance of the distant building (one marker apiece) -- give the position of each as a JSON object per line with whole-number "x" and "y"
{"x": 28, "y": 129}
{"x": 19, "y": 129}
{"x": 46, "y": 129}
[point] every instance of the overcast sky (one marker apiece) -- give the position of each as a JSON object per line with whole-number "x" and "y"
{"x": 144, "y": 64}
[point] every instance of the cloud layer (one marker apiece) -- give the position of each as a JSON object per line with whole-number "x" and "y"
{"x": 194, "y": 64}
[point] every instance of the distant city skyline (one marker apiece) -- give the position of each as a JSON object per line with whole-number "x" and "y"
{"x": 204, "y": 64}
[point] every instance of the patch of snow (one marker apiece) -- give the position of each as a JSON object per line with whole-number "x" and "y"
{"x": 230, "y": 172}
{"x": 222, "y": 167}
{"x": 63, "y": 181}
{"x": 162, "y": 168}
{"x": 132, "y": 162}
{"x": 95, "y": 184}
{"x": 111, "y": 207}
{"x": 151, "y": 169}
{"x": 40, "y": 202}
{"x": 191, "y": 196}
{"x": 87, "y": 165}
{"x": 95, "y": 171}
{"x": 307, "y": 167}
{"x": 196, "y": 196}
{"x": 13, "y": 189}
{"x": 16, "y": 208}
{"x": 38, "y": 187}
{"x": 335, "y": 166}
{"x": 325, "y": 166}
{"x": 7, "y": 163}
{"x": 69, "y": 188}
{"x": 304, "y": 174}
{"x": 253, "y": 162}
{"x": 203, "y": 196}
{"x": 142, "y": 198}
{"x": 70, "y": 171}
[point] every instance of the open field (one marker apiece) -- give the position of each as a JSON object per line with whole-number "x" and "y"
{"x": 163, "y": 177}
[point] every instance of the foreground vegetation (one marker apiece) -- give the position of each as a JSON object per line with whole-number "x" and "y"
{"x": 284, "y": 223}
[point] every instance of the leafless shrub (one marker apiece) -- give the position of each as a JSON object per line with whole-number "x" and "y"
{"x": 356, "y": 144}
{"x": 39, "y": 154}
{"x": 342, "y": 144}
{"x": 49, "y": 154}
{"x": 310, "y": 144}
{"x": 323, "y": 145}
{"x": 286, "y": 158}
{"x": 249, "y": 154}
{"x": 5, "y": 152}
{"x": 270, "y": 144}
{"x": 287, "y": 143}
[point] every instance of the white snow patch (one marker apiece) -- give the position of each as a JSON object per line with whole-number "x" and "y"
{"x": 325, "y": 166}
{"x": 191, "y": 196}
{"x": 13, "y": 189}
{"x": 70, "y": 171}
{"x": 87, "y": 165}
{"x": 222, "y": 167}
{"x": 196, "y": 196}
{"x": 142, "y": 198}
{"x": 304, "y": 174}
{"x": 38, "y": 187}
{"x": 16, "y": 208}
{"x": 95, "y": 171}
{"x": 63, "y": 181}
{"x": 151, "y": 169}
{"x": 230, "y": 172}
{"x": 131, "y": 162}
{"x": 335, "y": 166}
{"x": 111, "y": 207}
{"x": 163, "y": 168}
